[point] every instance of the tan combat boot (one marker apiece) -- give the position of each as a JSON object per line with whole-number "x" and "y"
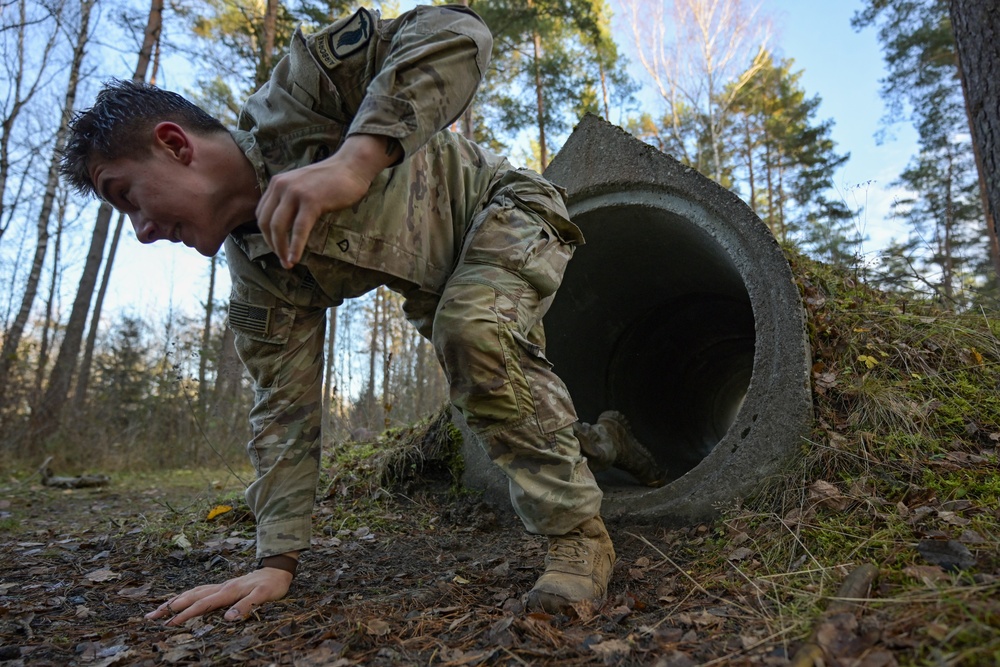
{"x": 610, "y": 443}
{"x": 577, "y": 567}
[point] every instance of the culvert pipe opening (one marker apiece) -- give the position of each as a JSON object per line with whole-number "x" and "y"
{"x": 667, "y": 337}
{"x": 680, "y": 312}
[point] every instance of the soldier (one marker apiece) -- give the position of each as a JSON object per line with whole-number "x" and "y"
{"x": 339, "y": 179}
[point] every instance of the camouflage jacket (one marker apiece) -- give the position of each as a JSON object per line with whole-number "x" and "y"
{"x": 406, "y": 78}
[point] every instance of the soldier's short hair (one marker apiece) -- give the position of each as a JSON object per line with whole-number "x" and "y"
{"x": 119, "y": 126}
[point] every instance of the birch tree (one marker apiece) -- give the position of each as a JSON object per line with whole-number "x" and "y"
{"x": 699, "y": 55}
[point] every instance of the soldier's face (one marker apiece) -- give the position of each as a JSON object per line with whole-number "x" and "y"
{"x": 166, "y": 196}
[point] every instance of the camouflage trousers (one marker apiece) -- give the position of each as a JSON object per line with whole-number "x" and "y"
{"x": 489, "y": 338}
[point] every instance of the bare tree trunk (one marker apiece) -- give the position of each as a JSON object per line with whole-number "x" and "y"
{"x": 468, "y": 124}
{"x": 387, "y": 354}
{"x": 769, "y": 173}
{"x": 269, "y": 27}
{"x": 43, "y": 351}
{"x": 604, "y": 91}
{"x": 543, "y": 153}
{"x": 20, "y": 97}
{"x": 45, "y": 417}
{"x": 81, "y": 305}
{"x": 227, "y": 375}
{"x": 329, "y": 383}
{"x": 753, "y": 187}
{"x": 83, "y": 381}
{"x": 947, "y": 261}
{"x": 372, "y": 354}
{"x": 150, "y": 38}
{"x": 420, "y": 377}
{"x": 976, "y": 25}
{"x": 206, "y": 340}
{"x": 9, "y": 351}
{"x": 781, "y": 201}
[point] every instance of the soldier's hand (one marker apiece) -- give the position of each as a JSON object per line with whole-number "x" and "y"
{"x": 242, "y": 595}
{"x": 294, "y": 201}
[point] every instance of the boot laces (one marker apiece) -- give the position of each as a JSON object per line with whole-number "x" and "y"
{"x": 568, "y": 549}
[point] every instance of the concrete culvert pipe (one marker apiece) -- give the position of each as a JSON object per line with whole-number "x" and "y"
{"x": 680, "y": 312}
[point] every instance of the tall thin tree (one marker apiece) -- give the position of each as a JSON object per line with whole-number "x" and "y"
{"x": 976, "y": 26}
{"x": 8, "y": 352}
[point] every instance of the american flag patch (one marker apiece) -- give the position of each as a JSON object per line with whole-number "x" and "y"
{"x": 250, "y": 318}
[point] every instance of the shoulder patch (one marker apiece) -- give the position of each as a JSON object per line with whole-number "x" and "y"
{"x": 347, "y": 39}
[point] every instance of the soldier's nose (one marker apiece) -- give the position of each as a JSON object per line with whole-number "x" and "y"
{"x": 145, "y": 230}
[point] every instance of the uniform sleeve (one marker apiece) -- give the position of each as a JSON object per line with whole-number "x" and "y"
{"x": 281, "y": 346}
{"x": 436, "y": 60}
{"x": 285, "y": 420}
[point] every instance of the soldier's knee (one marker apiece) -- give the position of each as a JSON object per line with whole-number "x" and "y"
{"x": 465, "y": 318}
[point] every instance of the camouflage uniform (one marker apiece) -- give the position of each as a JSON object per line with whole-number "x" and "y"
{"x": 476, "y": 247}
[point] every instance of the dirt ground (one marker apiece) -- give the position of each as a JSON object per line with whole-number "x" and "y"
{"x": 430, "y": 580}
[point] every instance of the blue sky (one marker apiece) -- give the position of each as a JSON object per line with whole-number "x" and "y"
{"x": 840, "y": 65}
{"x": 844, "y": 68}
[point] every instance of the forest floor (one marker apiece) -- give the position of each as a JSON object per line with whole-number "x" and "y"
{"x": 435, "y": 579}
{"x": 899, "y": 480}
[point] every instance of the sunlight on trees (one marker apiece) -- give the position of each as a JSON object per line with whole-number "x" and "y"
{"x": 699, "y": 55}
{"x": 170, "y": 384}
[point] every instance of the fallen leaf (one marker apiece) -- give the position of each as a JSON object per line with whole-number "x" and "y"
{"x": 742, "y": 553}
{"x": 825, "y": 380}
{"x": 879, "y": 658}
{"x": 584, "y": 609}
{"x": 929, "y": 574}
{"x": 969, "y": 536}
{"x": 177, "y": 654}
{"x": 949, "y": 554}
{"x": 619, "y": 613}
{"x": 378, "y": 627}
{"x": 953, "y": 519}
{"x": 104, "y": 574}
{"x": 140, "y": 592}
{"x": 937, "y": 631}
{"x": 707, "y": 620}
{"x": 612, "y": 650}
{"x": 838, "y": 635}
{"x": 218, "y": 510}
{"x": 828, "y": 495}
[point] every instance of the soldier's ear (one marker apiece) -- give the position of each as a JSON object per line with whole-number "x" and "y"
{"x": 172, "y": 138}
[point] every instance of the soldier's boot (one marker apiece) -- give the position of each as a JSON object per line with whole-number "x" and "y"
{"x": 577, "y": 567}
{"x": 596, "y": 445}
{"x": 610, "y": 442}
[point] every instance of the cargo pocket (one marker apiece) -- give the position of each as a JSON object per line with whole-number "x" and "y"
{"x": 549, "y": 395}
{"x": 512, "y": 236}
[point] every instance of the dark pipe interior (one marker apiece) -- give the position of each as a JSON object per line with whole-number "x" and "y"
{"x": 654, "y": 320}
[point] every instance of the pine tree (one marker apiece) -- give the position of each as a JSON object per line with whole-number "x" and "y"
{"x": 553, "y": 60}
{"x": 923, "y": 80}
